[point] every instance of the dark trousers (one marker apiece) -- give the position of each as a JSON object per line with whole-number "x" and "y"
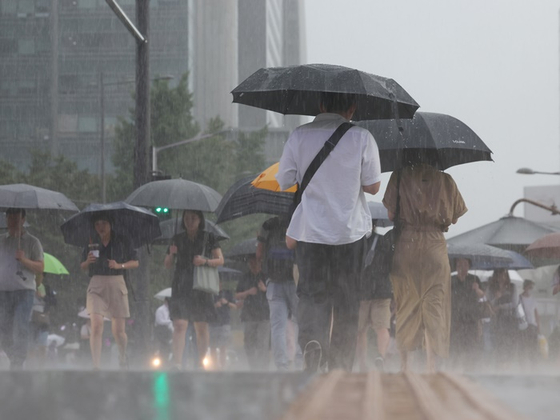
{"x": 15, "y": 317}
{"x": 328, "y": 291}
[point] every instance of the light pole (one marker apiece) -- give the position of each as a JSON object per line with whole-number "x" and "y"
{"x": 156, "y": 150}
{"x": 529, "y": 171}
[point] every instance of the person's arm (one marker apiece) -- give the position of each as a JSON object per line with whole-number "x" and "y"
{"x": 170, "y": 257}
{"x": 287, "y": 168}
{"x": 84, "y": 265}
{"x": 35, "y": 266}
{"x": 556, "y": 289}
{"x": 537, "y": 319}
{"x": 372, "y": 189}
{"x": 129, "y": 265}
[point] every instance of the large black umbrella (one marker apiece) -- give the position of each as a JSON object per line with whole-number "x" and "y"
{"x": 173, "y": 226}
{"x": 243, "y": 199}
{"x": 297, "y": 90}
{"x": 178, "y": 194}
{"x": 138, "y": 224}
{"x": 438, "y": 139}
{"x": 30, "y": 197}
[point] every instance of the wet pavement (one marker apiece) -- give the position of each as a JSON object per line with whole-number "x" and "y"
{"x": 158, "y": 395}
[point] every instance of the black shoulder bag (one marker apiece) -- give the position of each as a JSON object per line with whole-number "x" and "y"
{"x": 318, "y": 160}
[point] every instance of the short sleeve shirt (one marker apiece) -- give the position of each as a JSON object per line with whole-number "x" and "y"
{"x": 187, "y": 249}
{"x": 333, "y": 208}
{"x": 119, "y": 249}
{"x": 13, "y": 274}
{"x": 464, "y": 300}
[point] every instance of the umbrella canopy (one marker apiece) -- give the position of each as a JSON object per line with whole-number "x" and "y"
{"x": 178, "y": 194}
{"x": 53, "y": 265}
{"x": 267, "y": 180}
{"x": 439, "y": 139}
{"x": 518, "y": 262}
{"x": 138, "y": 224}
{"x": 479, "y": 254}
{"x": 547, "y": 247}
{"x": 243, "y": 249}
{"x": 170, "y": 227}
{"x": 297, "y": 90}
{"x": 162, "y": 294}
{"x": 30, "y": 197}
{"x": 243, "y": 199}
{"x": 509, "y": 232}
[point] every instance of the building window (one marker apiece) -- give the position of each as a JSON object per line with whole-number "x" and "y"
{"x": 87, "y": 124}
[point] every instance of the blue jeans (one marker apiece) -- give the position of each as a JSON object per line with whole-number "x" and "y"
{"x": 15, "y": 317}
{"x": 282, "y": 301}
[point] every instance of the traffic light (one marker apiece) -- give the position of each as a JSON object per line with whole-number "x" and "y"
{"x": 163, "y": 213}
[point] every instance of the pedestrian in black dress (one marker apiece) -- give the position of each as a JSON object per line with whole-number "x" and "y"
{"x": 187, "y": 304}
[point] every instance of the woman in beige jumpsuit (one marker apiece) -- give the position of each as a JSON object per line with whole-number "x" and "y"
{"x": 429, "y": 203}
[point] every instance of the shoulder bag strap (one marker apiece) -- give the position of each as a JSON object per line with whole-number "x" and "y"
{"x": 323, "y": 153}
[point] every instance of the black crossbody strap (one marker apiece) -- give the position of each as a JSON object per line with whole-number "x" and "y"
{"x": 323, "y": 153}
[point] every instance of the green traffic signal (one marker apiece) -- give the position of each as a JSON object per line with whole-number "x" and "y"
{"x": 162, "y": 212}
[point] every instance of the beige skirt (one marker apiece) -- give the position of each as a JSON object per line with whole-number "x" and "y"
{"x": 108, "y": 296}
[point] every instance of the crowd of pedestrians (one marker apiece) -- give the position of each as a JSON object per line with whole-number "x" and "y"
{"x": 314, "y": 285}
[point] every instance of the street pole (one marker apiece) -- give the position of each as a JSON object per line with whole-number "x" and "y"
{"x": 102, "y": 136}
{"x": 141, "y": 170}
{"x": 142, "y": 97}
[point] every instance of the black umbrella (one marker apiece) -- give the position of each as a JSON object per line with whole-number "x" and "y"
{"x": 297, "y": 90}
{"x": 243, "y": 249}
{"x": 243, "y": 199}
{"x": 178, "y": 194}
{"x": 173, "y": 226}
{"x": 438, "y": 139}
{"x": 518, "y": 262}
{"x": 30, "y": 197}
{"x": 138, "y": 224}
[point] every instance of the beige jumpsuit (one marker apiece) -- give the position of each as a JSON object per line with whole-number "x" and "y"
{"x": 429, "y": 203}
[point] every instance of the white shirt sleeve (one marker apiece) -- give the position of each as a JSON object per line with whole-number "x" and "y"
{"x": 371, "y": 164}
{"x": 287, "y": 169}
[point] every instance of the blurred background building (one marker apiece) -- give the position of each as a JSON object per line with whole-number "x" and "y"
{"x": 65, "y": 62}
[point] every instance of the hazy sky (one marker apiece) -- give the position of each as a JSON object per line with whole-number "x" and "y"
{"x": 493, "y": 64}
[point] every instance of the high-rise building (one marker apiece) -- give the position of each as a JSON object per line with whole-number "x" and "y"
{"x": 60, "y": 58}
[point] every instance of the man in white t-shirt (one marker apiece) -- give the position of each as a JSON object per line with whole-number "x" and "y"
{"x": 330, "y": 227}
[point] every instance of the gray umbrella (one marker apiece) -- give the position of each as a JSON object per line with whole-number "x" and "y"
{"x": 178, "y": 194}
{"x": 298, "y": 89}
{"x": 30, "y": 197}
{"x": 173, "y": 226}
{"x": 479, "y": 254}
{"x": 509, "y": 232}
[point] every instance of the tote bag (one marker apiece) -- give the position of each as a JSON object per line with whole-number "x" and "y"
{"x": 206, "y": 278}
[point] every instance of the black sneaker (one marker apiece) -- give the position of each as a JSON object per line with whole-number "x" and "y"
{"x": 312, "y": 355}
{"x": 379, "y": 363}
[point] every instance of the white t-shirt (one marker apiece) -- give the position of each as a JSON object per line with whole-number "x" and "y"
{"x": 162, "y": 317}
{"x": 13, "y": 274}
{"x": 529, "y": 306}
{"x": 333, "y": 209}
